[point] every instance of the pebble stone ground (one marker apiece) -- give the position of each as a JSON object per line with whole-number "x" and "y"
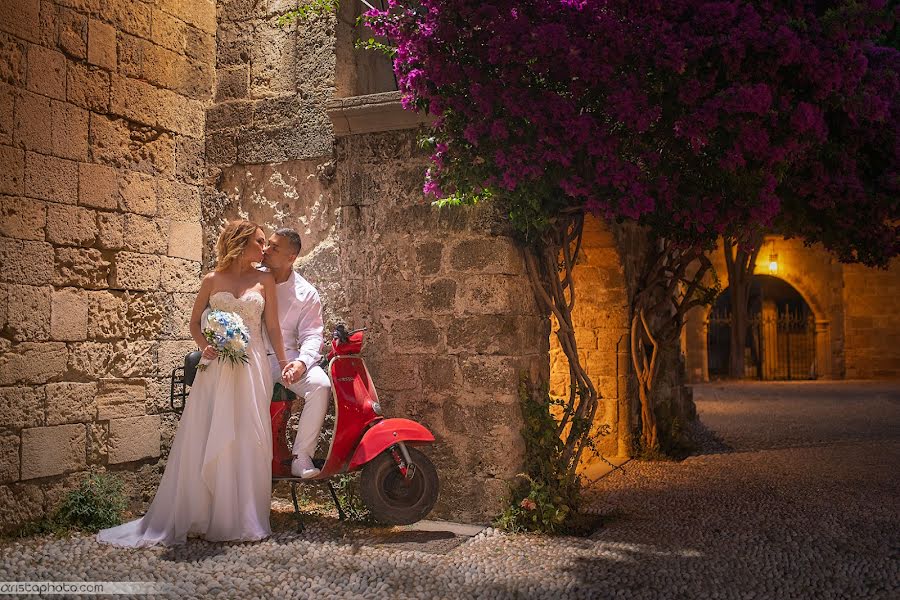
{"x": 795, "y": 496}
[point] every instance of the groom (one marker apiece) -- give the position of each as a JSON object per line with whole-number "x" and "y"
{"x": 300, "y": 316}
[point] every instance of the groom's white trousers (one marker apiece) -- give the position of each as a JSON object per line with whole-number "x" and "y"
{"x": 315, "y": 388}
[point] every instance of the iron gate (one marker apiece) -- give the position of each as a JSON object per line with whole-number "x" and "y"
{"x": 780, "y": 345}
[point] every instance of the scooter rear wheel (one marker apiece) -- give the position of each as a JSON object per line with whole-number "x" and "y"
{"x": 390, "y": 497}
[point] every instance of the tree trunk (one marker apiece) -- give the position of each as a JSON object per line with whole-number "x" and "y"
{"x": 670, "y": 284}
{"x": 549, "y": 265}
{"x": 741, "y": 263}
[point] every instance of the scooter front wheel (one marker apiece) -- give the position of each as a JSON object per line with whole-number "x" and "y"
{"x": 391, "y": 497}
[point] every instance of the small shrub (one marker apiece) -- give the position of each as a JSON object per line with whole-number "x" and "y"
{"x": 97, "y": 503}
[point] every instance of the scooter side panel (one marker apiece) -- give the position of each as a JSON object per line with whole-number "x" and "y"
{"x": 353, "y": 394}
{"x": 383, "y": 435}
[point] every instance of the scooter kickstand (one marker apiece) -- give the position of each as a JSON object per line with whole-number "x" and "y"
{"x": 297, "y": 515}
{"x": 337, "y": 502}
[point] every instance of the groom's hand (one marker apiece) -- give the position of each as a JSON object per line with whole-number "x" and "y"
{"x": 293, "y": 371}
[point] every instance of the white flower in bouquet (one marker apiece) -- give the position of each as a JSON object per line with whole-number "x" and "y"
{"x": 225, "y": 331}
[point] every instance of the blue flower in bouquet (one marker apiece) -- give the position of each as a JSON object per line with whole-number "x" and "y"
{"x": 226, "y": 332}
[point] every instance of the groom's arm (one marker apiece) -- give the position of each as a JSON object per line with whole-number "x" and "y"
{"x": 310, "y": 328}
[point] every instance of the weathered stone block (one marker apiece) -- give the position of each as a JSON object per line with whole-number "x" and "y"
{"x": 415, "y": 336}
{"x": 32, "y": 362}
{"x": 119, "y": 143}
{"x": 228, "y": 115}
{"x": 21, "y": 407}
{"x": 178, "y": 201}
{"x": 12, "y": 60}
{"x": 98, "y": 443}
{"x": 201, "y": 14}
{"x": 28, "y": 317}
{"x": 200, "y": 46}
{"x": 186, "y": 240}
{"x": 148, "y": 236}
{"x": 101, "y": 44}
{"x": 440, "y": 373}
{"x": 179, "y": 275}
{"x": 233, "y": 40}
{"x": 73, "y": 33}
{"x": 117, "y": 399}
{"x": 53, "y": 450}
{"x": 97, "y": 186}
{"x": 12, "y": 171}
{"x": 7, "y": 110}
{"x": 71, "y": 403}
{"x": 495, "y": 334}
{"x": 4, "y": 301}
{"x": 440, "y": 296}
{"x": 47, "y": 72}
{"x": 178, "y": 316}
{"x": 26, "y": 262}
{"x": 232, "y": 82}
{"x": 167, "y": 31}
{"x": 69, "y": 315}
{"x": 134, "y": 358}
{"x": 172, "y": 353}
{"x": 190, "y": 160}
{"x": 110, "y": 231}
{"x": 221, "y": 148}
{"x": 490, "y": 373}
{"x": 69, "y": 131}
{"x": 51, "y": 178}
{"x": 19, "y": 503}
{"x": 138, "y": 193}
{"x": 32, "y": 114}
{"x": 145, "y": 314}
{"x": 88, "y": 87}
{"x": 130, "y": 17}
{"x": 48, "y": 24}
{"x": 22, "y": 218}
{"x": 137, "y": 100}
{"x": 492, "y": 255}
{"x": 132, "y": 271}
{"x": 22, "y": 19}
{"x": 134, "y": 438}
{"x": 428, "y": 258}
{"x": 90, "y": 360}
{"x": 107, "y": 316}
{"x": 9, "y": 457}
{"x": 71, "y": 225}
{"x": 81, "y": 267}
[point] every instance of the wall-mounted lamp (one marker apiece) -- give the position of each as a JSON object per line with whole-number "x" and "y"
{"x": 773, "y": 258}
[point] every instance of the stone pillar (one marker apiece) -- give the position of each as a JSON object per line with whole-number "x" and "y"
{"x": 823, "y": 350}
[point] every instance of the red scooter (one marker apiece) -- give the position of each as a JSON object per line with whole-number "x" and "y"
{"x": 398, "y": 484}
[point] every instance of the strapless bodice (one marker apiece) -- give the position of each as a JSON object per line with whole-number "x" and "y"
{"x": 249, "y": 306}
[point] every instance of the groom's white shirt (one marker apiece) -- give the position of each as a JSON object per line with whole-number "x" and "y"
{"x": 300, "y": 317}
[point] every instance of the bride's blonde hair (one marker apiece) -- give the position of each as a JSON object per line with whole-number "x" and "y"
{"x": 232, "y": 241}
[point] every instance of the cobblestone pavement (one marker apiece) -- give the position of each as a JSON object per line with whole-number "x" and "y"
{"x": 795, "y": 497}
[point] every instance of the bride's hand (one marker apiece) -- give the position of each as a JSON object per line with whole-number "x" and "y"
{"x": 209, "y": 352}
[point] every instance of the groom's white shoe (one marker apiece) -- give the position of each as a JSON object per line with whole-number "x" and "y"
{"x": 302, "y": 467}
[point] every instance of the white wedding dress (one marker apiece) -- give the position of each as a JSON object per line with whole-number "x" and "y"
{"x": 218, "y": 479}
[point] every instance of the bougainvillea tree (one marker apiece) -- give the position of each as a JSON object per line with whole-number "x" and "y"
{"x": 696, "y": 120}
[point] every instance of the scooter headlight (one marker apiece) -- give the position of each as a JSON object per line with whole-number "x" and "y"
{"x": 376, "y": 408}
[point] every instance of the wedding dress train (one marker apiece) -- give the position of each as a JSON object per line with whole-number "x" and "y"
{"x": 218, "y": 478}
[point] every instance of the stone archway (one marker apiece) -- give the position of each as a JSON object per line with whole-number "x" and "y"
{"x": 601, "y": 325}
{"x": 804, "y": 269}
{"x": 780, "y": 341}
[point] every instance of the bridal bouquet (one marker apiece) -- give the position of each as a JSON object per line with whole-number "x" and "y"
{"x": 226, "y": 332}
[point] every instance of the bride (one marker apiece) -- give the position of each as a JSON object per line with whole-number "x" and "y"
{"x": 218, "y": 478}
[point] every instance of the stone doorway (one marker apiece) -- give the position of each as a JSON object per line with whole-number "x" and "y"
{"x": 781, "y": 334}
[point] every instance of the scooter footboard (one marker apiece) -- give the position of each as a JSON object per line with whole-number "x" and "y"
{"x": 383, "y": 435}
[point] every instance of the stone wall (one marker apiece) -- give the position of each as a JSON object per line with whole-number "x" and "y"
{"x": 101, "y": 169}
{"x": 600, "y": 318}
{"x": 871, "y": 300}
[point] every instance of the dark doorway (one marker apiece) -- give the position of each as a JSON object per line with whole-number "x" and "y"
{"x": 781, "y": 335}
